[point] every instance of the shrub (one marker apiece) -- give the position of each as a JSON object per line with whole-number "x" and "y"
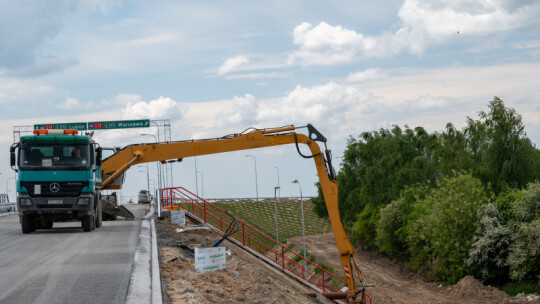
{"x": 524, "y": 258}
{"x": 443, "y": 226}
{"x": 491, "y": 243}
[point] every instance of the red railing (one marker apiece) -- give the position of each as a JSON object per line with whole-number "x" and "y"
{"x": 249, "y": 237}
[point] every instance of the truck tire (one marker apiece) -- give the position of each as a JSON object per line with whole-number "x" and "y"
{"x": 87, "y": 223}
{"x": 26, "y": 224}
{"x": 99, "y": 216}
{"x": 33, "y": 224}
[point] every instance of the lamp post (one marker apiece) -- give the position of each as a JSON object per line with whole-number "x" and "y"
{"x": 7, "y": 184}
{"x": 276, "y": 188}
{"x": 159, "y": 176}
{"x": 147, "y": 176}
{"x": 202, "y": 182}
{"x": 196, "y": 179}
{"x": 256, "y": 182}
{"x": 303, "y": 230}
{"x": 277, "y": 169}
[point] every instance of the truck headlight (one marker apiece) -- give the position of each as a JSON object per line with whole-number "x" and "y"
{"x": 83, "y": 201}
{"x": 25, "y": 202}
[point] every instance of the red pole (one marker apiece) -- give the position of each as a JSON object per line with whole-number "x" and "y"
{"x": 204, "y": 204}
{"x": 282, "y": 258}
{"x": 243, "y": 239}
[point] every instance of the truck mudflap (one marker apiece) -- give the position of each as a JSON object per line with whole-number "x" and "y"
{"x": 110, "y": 207}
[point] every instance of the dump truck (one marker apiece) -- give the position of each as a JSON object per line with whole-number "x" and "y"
{"x": 59, "y": 179}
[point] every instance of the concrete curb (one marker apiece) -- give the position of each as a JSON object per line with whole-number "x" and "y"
{"x": 145, "y": 282}
{"x": 156, "y": 275}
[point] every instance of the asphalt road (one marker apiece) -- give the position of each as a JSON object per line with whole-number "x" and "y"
{"x": 65, "y": 264}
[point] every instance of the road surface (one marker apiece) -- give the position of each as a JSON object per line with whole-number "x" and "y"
{"x": 65, "y": 264}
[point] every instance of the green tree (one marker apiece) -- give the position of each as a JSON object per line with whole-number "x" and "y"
{"x": 491, "y": 244}
{"x": 391, "y": 235}
{"x": 443, "y": 226}
{"x": 524, "y": 258}
{"x": 505, "y": 157}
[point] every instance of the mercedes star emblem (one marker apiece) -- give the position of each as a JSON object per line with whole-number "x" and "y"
{"x": 54, "y": 187}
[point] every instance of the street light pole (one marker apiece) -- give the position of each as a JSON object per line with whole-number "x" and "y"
{"x": 276, "y": 188}
{"x": 303, "y": 229}
{"x": 147, "y": 176}
{"x": 196, "y": 179}
{"x": 277, "y": 169}
{"x": 159, "y": 177}
{"x": 256, "y": 182}
{"x": 202, "y": 183}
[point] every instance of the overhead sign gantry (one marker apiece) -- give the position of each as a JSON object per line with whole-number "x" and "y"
{"x": 96, "y": 125}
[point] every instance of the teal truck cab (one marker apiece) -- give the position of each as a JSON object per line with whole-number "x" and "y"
{"x": 59, "y": 174}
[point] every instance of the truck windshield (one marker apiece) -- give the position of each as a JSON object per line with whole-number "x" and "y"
{"x": 54, "y": 157}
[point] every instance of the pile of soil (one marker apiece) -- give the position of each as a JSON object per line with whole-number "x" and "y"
{"x": 469, "y": 287}
{"x": 246, "y": 279}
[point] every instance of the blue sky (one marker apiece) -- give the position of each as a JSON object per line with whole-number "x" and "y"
{"x": 218, "y": 67}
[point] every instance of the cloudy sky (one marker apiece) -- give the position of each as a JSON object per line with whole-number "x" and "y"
{"x": 219, "y": 67}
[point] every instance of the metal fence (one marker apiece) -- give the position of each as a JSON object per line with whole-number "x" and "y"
{"x": 8, "y": 207}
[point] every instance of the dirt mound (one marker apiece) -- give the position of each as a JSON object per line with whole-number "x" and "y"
{"x": 469, "y": 287}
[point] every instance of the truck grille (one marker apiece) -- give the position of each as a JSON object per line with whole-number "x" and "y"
{"x": 47, "y": 188}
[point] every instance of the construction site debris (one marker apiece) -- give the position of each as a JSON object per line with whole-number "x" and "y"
{"x": 190, "y": 228}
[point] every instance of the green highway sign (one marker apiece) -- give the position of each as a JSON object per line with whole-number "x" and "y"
{"x": 81, "y": 126}
{"x": 119, "y": 124}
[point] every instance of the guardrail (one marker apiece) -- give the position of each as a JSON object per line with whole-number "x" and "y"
{"x": 9, "y": 207}
{"x": 255, "y": 241}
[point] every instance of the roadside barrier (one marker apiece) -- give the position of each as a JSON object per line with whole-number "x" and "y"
{"x": 9, "y": 207}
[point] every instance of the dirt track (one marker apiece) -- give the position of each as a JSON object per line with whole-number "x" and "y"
{"x": 394, "y": 285}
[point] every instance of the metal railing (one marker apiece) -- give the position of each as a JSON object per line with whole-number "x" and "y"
{"x": 9, "y": 207}
{"x": 254, "y": 241}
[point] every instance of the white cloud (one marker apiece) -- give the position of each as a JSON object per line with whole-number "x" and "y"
{"x": 366, "y": 75}
{"x": 26, "y": 28}
{"x": 70, "y": 103}
{"x": 160, "y": 108}
{"x": 428, "y": 102}
{"x": 18, "y": 90}
{"x": 125, "y": 99}
{"x": 423, "y": 24}
{"x": 151, "y": 39}
{"x": 330, "y": 101}
{"x": 232, "y": 64}
{"x": 271, "y": 75}
{"x": 325, "y": 44}
{"x": 533, "y": 44}
{"x": 242, "y": 111}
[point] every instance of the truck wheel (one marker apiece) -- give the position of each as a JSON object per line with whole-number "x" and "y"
{"x": 33, "y": 224}
{"x": 26, "y": 224}
{"x": 87, "y": 223}
{"x": 99, "y": 216}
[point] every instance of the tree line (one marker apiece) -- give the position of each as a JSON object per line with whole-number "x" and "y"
{"x": 450, "y": 203}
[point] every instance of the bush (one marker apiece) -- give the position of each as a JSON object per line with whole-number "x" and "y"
{"x": 524, "y": 258}
{"x": 444, "y": 224}
{"x": 391, "y": 237}
{"x": 489, "y": 252}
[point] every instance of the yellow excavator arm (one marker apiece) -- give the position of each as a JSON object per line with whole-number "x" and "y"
{"x": 114, "y": 166}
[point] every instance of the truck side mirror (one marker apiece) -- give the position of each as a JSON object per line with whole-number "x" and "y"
{"x": 12, "y": 154}
{"x": 12, "y": 158}
{"x": 98, "y": 156}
